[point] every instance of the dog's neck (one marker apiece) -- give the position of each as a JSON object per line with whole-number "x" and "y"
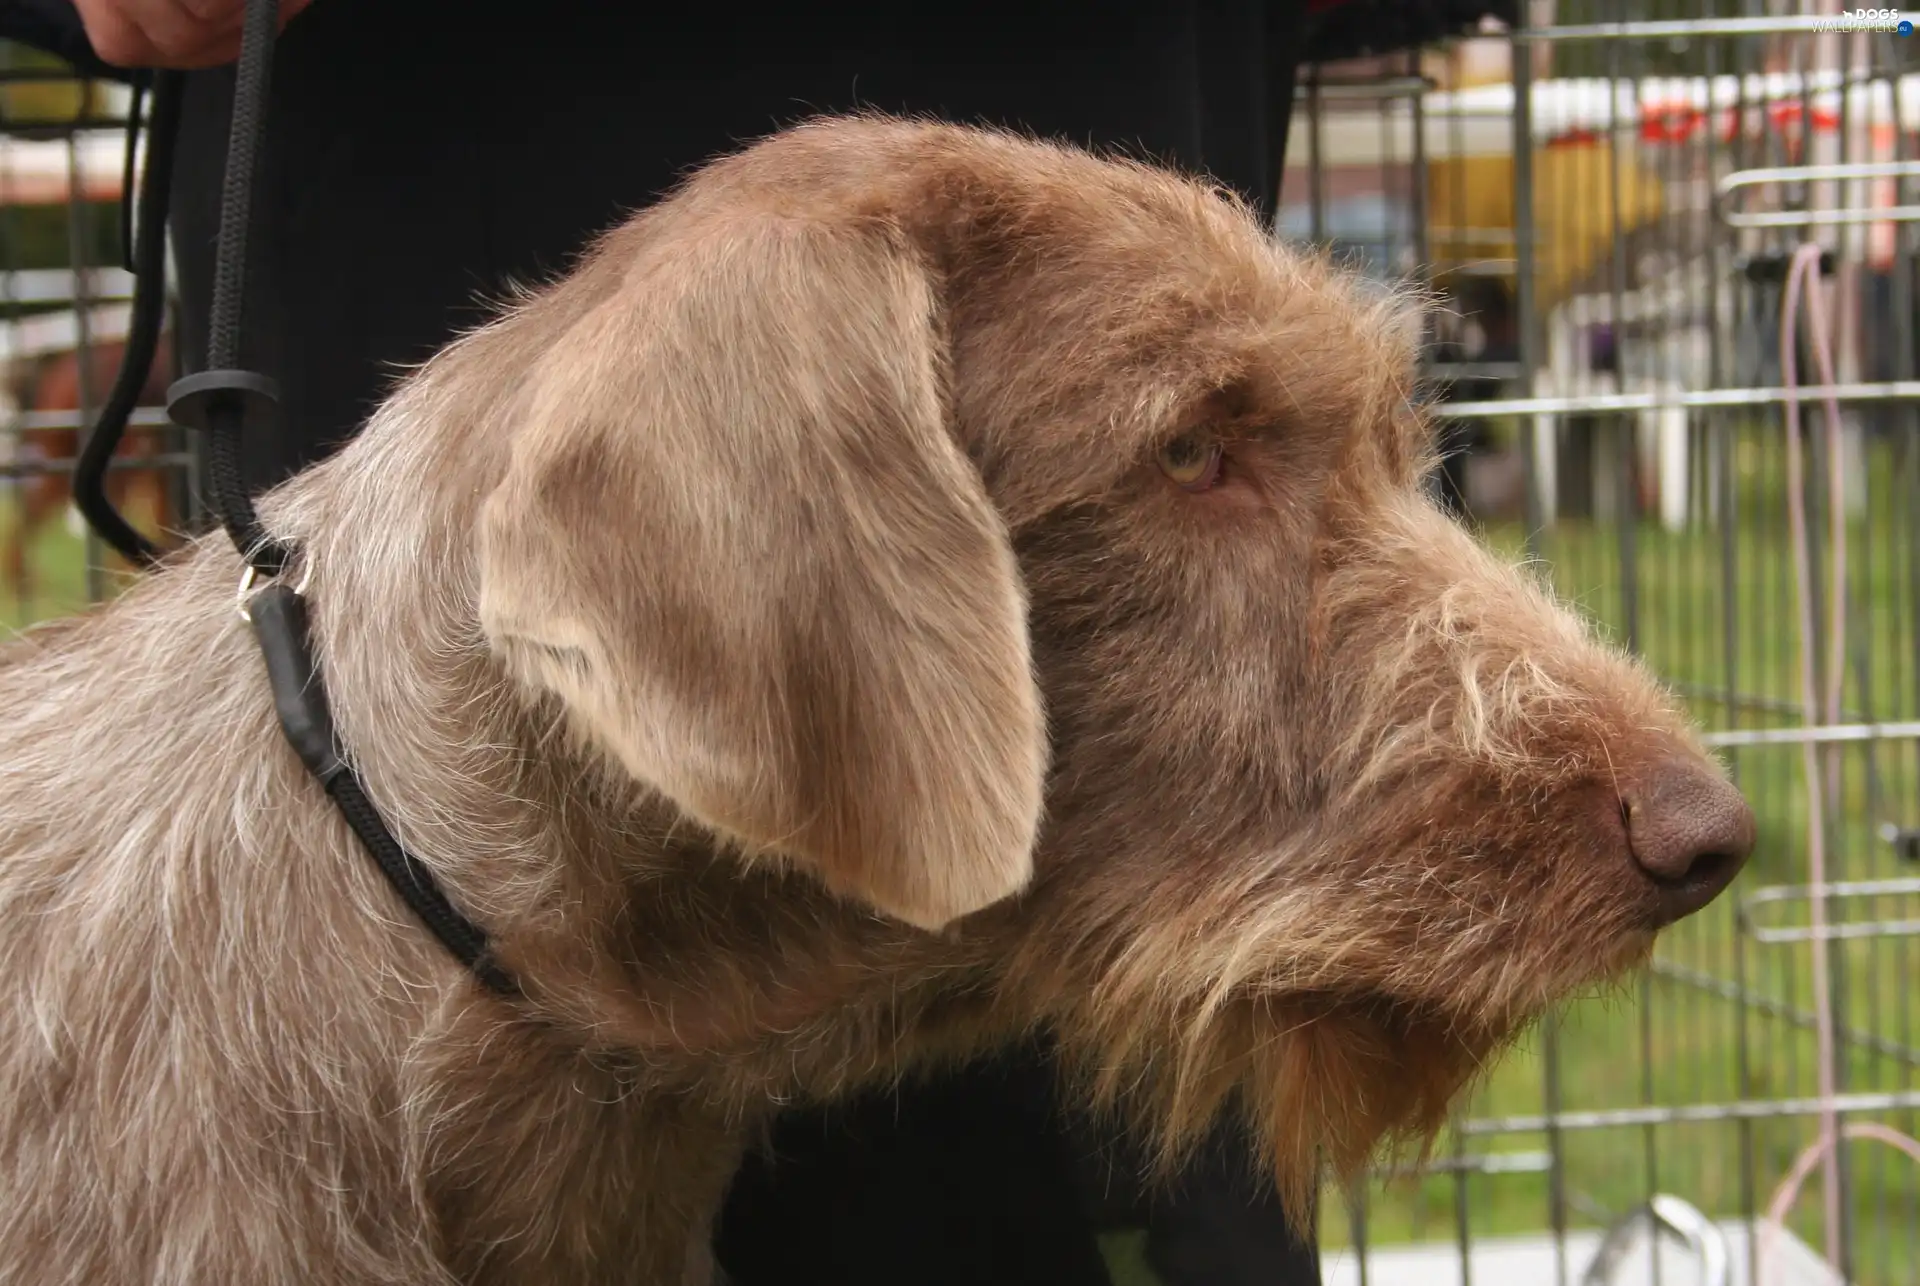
{"x": 617, "y": 916}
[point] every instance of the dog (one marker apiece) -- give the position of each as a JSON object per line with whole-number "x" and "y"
{"x": 41, "y": 497}
{"x": 912, "y": 587}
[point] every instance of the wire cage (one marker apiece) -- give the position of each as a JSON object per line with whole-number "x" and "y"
{"x": 65, "y": 294}
{"x": 1609, "y": 203}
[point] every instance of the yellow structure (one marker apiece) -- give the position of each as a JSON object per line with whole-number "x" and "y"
{"x": 1579, "y": 191}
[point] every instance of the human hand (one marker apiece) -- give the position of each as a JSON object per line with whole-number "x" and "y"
{"x": 180, "y": 34}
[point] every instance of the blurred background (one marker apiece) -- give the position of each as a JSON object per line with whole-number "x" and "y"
{"x": 1604, "y": 200}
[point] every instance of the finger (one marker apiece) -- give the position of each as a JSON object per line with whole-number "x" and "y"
{"x": 231, "y": 14}
{"x": 181, "y": 34}
{"x": 219, "y": 42}
{"x": 115, "y": 36}
{"x": 193, "y": 28}
{"x": 151, "y": 33}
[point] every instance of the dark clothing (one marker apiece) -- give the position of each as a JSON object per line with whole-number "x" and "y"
{"x": 464, "y": 149}
{"x": 984, "y": 1177}
{"x": 421, "y": 155}
{"x": 964, "y": 1180}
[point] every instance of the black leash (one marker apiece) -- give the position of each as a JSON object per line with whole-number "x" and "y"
{"x": 145, "y": 242}
{"x": 224, "y": 402}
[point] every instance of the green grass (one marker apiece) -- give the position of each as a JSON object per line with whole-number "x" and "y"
{"x": 59, "y": 566}
{"x": 1663, "y": 1041}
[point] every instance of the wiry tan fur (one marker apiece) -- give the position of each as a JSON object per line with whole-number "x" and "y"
{"x": 695, "y": 622}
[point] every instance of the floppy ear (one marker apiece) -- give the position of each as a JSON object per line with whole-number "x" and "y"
{"x": 738, "y": 539}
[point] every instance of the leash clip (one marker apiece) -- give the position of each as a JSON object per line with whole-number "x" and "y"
{"x": 250, "y": 585}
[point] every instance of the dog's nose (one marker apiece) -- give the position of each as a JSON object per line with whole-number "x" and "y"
{"x": 1690, "y": 831}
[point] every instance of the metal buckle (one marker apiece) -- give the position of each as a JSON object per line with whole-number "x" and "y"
{"x": 249, "y": 579}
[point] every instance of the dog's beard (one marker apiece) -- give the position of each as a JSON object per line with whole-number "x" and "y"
{"x": 1352, "y": 1079}
{"x": 1323, "y": 1083}
{"x": 1340, "y": 1030}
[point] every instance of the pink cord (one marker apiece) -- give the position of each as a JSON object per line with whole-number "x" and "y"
{"x": 1821, "y": 1150}
{"x": 1805, "y": 268}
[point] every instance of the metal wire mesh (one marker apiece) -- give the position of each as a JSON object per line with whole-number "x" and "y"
{"x": 1607, "y": 200}
{"x": 64, "y": 294}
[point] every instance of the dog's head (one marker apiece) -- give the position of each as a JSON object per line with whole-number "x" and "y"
{"x": 1017, "y": 538}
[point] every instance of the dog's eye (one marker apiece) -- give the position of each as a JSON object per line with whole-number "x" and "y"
{"x": 1191, "y": 461}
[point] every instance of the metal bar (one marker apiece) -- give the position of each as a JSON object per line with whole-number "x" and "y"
{"x": 77, "y": 228}
{"x": 1682, "y": 28}
{"x": 1744, "y": 737}
{"x": 1847, "y": 171}
{"x": 1623, "y": 438}
{"x": 1829, "y": 892}
{"x": 1417, "y": 196}
{"x": 1694, "y": 1113}
{"x": 1525, "y": 291}
{"x": 20, "y": 469}
{"x": 150, "y": 417}
{"x": 1851, "y": 246}
{"x": 1357, "y": 1223}
{"x": 1338, "y": 91}
{"x": 1726, "y": 507}
{"x": 1316, "y": 164}
{"x": 1463, "y": 1210}
{"x": 1901, "y": 334}
{"x": 1451, "y": 372}
{"x": 1824, "y": 216}
{"x": 1816, "y": 174}
{"x": 64, "y": 285}
{"x": 1598, "y": 403}
{"x": 1476, "y": 1163}
{"x": 1840, "y": 933}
